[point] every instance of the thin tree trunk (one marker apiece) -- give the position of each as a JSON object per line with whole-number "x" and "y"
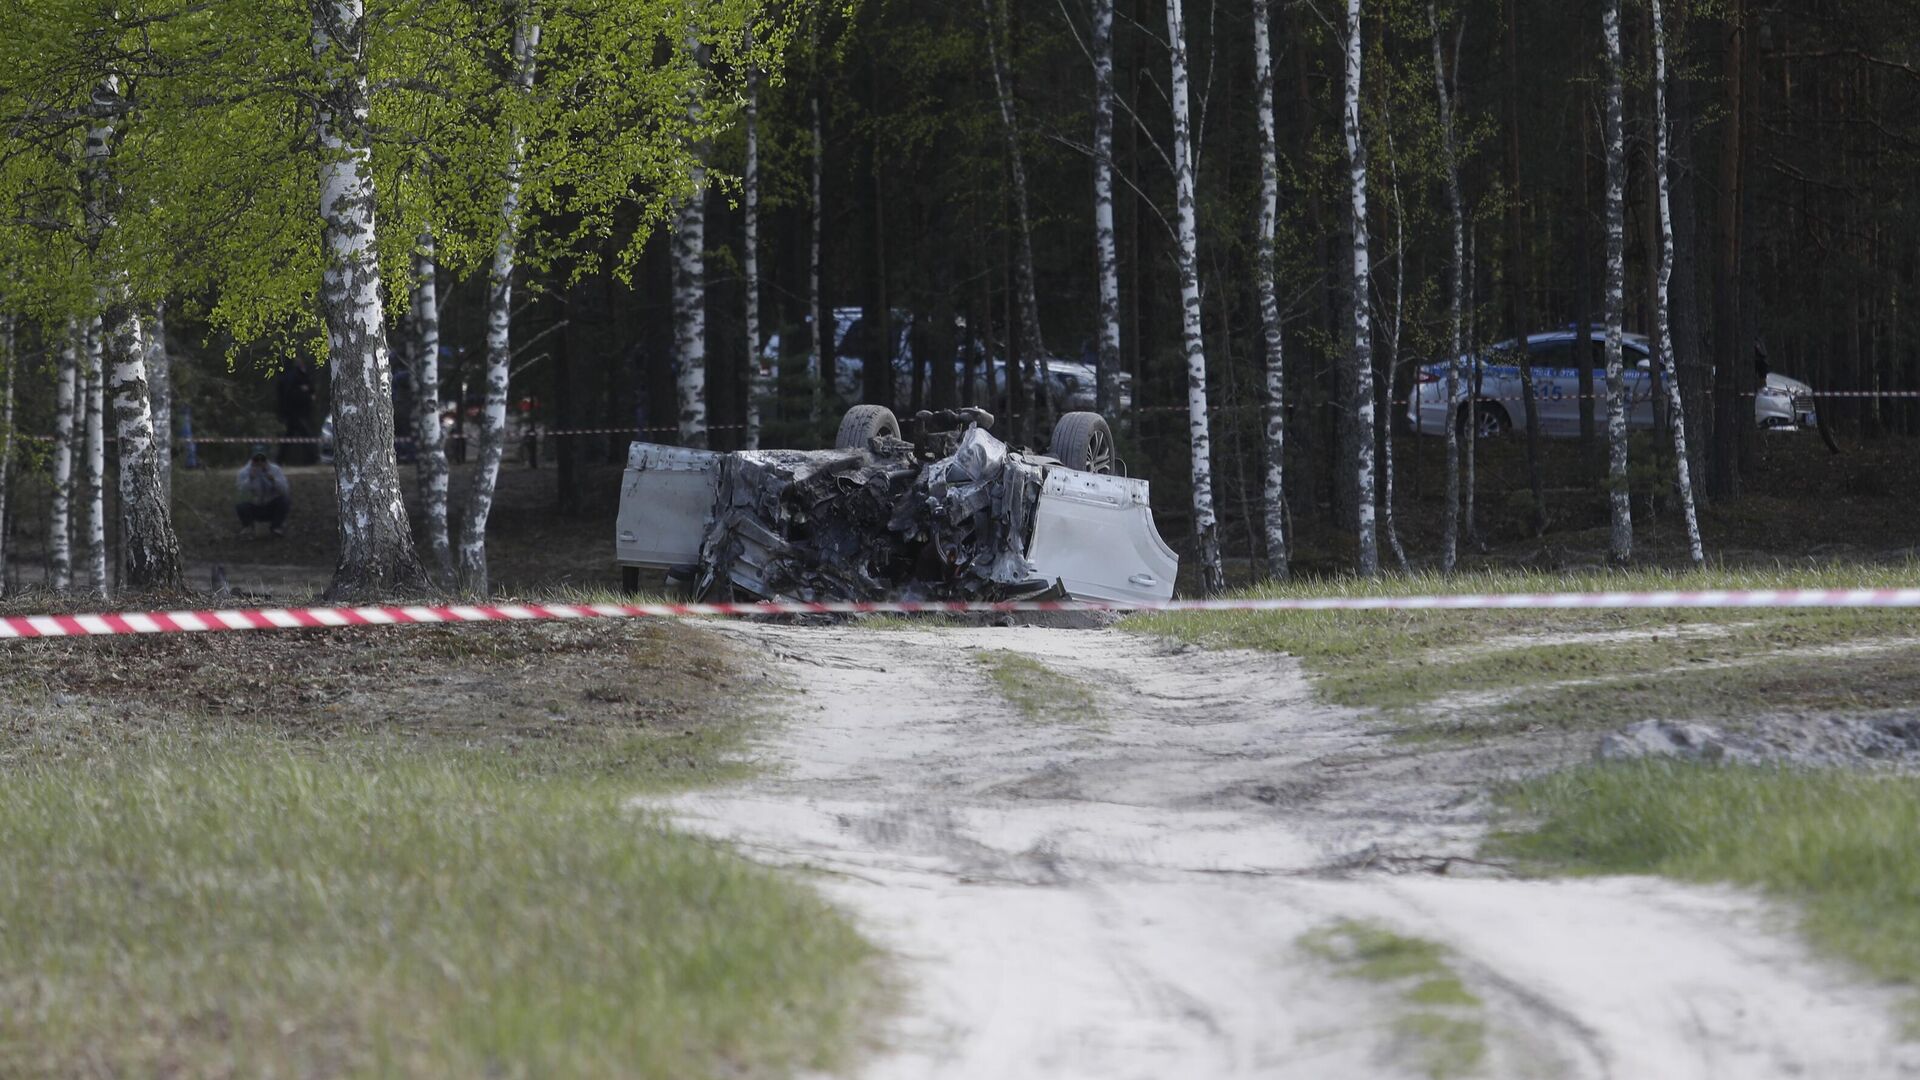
{"x": 1107, "y": 256}
{"x": 160, "y": 392}
{"x": 1620, "y": 535}
{"x": 1393, "y": 352}
{"x": 493, "y": 417}
{"x": 1274, "y": 504}
{"x": 1517, "y": 268}
{"x": 1032, "y": 348}
{"x": 429, "y": 438}
{"x": 750, "y": 198}
{"x": 95, "y": 472}
{"x": 1450, "y": 528}
{"x": 60, "y": 517}
{"x": 1205, "y": 527}
{"x": 1368, "y": 555}
{"x": 690, "y": 297}
{"x": 1728, "y": 405}
{"x": 1476, "y": 373}
{"x": 9, "y": 359}
{"x": 821, "y": 344}
{"x": 1663, "y": 336}
{"x": 376, "y": 544}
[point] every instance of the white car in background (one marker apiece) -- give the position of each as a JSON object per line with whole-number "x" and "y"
{"x": 1783, "y": 404}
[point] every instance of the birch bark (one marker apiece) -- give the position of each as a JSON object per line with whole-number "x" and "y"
{"x": 1206, "y": 532}
{"x": 1274, "y": 503}
{"x": 1450, "y": 529}
{"x": 9, "y": 360}
{"x": 1663, "y": 322}
{"x": 160, "y": 393}
{"x": 493, "y": 416}
{"x": 1106, "y": 245}
{"x": 750, "y": 199}
{"x": 430, "y": 442}
{"x": 1620, "y": 533}
{"x": 1393, "y": 350}
{"x": 690, "y": 299}
{"x": 1032, "y": 348}
{"x": 376, "y": 543}
{"x": 1368, "y": 554}
{"x": 95, "y": 472}
{"x": 60, "y": 517}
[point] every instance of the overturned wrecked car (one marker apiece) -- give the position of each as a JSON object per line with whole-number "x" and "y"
{"x": 954, "y": 514}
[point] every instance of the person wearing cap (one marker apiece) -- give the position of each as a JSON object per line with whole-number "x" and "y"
{"x": 264, "y": 494}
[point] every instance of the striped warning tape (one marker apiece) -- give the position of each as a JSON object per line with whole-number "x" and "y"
{"x": 16, "y": 627}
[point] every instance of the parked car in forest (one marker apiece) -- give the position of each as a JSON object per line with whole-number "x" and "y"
{"x": 1783, "y": 403}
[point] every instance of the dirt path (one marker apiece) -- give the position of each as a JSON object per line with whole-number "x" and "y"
{"x": 1123, "y": 895}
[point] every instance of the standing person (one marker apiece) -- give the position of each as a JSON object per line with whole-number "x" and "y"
{"x": 264, "y": 495}
{"x": 294, "y": 397}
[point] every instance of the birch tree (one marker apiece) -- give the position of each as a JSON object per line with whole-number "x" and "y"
{"x": 1033, "y": 348}
{"x": 1274, "y": 491}
{"x": 94, "y": 474}
{"x": 1106, "y": 247}
{"x": 1456, "y": 278}
{"x": 376, "y": 542}
{"x": 1368, "y": 555}
{"x": 10, "y": 362}
{"x": 160, "y": 393}
{"x": 1663, "y": 323}
{"x": 493, "y": 416}
{"x": 1200, "y": 440}
{"x": 690, "y": 298}
{"x": 1620, "y": 534}
{"x": 750, "y": 200}
{"x": 65, "y": 409}
{"x": 430, "y": 442}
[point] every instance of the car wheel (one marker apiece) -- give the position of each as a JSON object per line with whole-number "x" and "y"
{"x": 862, "y": 423}
{"x": 1082, "y": 440}
{"x": 1493, "y": 418}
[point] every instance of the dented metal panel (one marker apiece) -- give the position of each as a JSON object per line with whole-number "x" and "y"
{"x": 665, "y": 499}
{"x": 1095, "y": 535}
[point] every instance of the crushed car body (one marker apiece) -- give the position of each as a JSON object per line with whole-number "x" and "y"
{"x": 957, "y": 515}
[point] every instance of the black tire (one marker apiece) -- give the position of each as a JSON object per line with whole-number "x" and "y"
{"x": 1082, "y": 440}
{"x": 862, "y": 423}
{"x": 1494, "y": 421}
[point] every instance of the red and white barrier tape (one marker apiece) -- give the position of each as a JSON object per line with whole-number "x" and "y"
{"x": 16, "y": 627}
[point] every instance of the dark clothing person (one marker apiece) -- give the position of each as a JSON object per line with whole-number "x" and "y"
{"x": 265, "y": 495}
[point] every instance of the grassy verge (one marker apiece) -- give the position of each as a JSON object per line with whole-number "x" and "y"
{"x": 1037, "y": 691}
{"x": 1436, "y": 1018}
{"x": 1406, "y": 659}
{"x": 394, "y": 853}
{"x": 1838, "y": 843}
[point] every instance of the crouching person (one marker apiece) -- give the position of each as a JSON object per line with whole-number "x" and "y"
{"x": 264, "y": 495}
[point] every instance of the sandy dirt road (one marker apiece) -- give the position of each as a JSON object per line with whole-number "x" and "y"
{"x": 1124, "y": 894}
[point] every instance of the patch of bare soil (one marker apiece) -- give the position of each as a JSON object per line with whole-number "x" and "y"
{"x": 1127, "y": 898}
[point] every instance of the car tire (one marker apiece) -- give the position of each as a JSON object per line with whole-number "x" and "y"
{"x": 862, "y": 423}
{"x": 1083, "y": 441}
{"x": 1494, "y": 421}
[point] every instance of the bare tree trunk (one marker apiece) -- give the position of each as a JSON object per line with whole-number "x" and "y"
{"x": 1620, "y": 536}
{"x": 10, "y": 360}
{"x": 1731, "y": 411}
{"x": 1476, "y": 372}
{"x": 60, "y": 517}
{"x": 690, "y": 293}
{"x": 95, "y": 472}
{"x": 1274, "y": 505}
{"x": 1368, "y": 555}
{"x": 750, "y": 198}
{"x": 821, "y": 344}
{"x": 1393, "y": 352}
{"x": 160, "y": 392}
{"x": 1663, "y": 324}
{"x": 1450, "y": 529}
{"x": 376, "y": 544}
{"x": 1032, "y": 347}
{"x": 1106, "y": 246}
{"x": 1517, "y": 269}
{"x": 493, "y": 417}
{"x": 429, "y": 439}
{"x": 1205, "y": 527}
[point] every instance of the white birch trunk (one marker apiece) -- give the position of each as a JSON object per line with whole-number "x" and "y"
{"x": 1450, "y": 531}
{"x": 376, "y": 542}
{"x": 1274, "y": 504}
{"x": 430, "y": 441}
{"x": 94, "y": 472}
{"x": 1368, "y": 555}
{"x": 1033, "y": 348}
{"x": 493, "y": 415}
{"x": 1393, "y": 351}
{"x": 1106, "y": 246}
{"x": 1206, "y": 532}
{"x": 60, "y": 517}
{"x": 690, "y": 296}
{"x": 750, "y": 199}
{"x": 1620, "y": 535}
{"x": 160, "y": 393}
{"x": 10, "y": 360}
{"x": 816, "y": 358}
{"x": 1662, "y": 316}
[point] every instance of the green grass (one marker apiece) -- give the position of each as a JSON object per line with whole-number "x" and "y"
{"x": 1837, "y": 843}
{"x": 1436, "y": 1016}
{"x": 1406, "y": 659}
{"x": 198, "y": 878}
{"x": 1037, "y": 691}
